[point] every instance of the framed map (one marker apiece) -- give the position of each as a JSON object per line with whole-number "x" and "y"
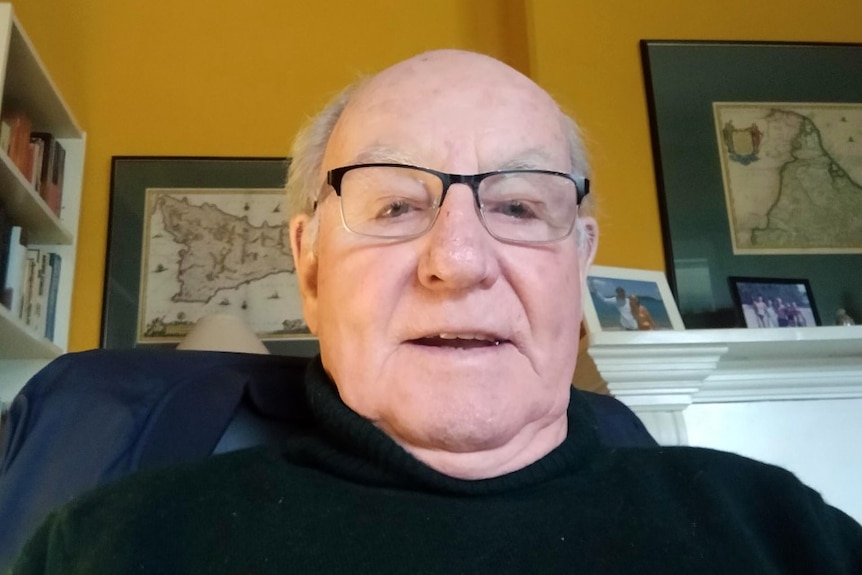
{"x": 191, "y": 237}
{"x": 792, "y": 176}
{"x": 758, "y": 159}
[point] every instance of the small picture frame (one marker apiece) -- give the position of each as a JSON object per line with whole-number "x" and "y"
{"x": 773, "y": 302}
{"x": 625, "y": 299}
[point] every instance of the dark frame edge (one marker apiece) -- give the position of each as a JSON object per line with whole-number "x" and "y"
{"x": 667, "y": 245}
{"x": 733, "y": 282}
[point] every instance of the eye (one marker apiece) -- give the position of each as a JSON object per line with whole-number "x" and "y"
{"x": 395, "y": 208}
{"x": 515, "y": 209}
{"x": 516, "y": 196}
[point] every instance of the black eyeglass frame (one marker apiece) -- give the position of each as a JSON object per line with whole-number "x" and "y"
{"x": 335, "y": 176}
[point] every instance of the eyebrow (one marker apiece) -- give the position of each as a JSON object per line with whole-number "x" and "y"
{"x": 530, "y": 159}
{"x": 383, "y": 154}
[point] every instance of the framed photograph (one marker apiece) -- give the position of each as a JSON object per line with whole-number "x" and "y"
{"x": 623, "y": 299}
{"x": 770, "y": 302}
{"x": 190, "y": 237}
{"x": 758, "y": 158}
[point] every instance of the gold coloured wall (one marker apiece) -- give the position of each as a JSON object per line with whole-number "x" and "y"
{"x": 221, "y": 78}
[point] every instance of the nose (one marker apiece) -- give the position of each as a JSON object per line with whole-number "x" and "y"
{"x": 458, "y": 253}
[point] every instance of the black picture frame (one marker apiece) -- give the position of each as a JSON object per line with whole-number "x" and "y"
{"x": 134, "y": 179}
{"x": 683, "y": 79}
{"x": 773, "y": 302}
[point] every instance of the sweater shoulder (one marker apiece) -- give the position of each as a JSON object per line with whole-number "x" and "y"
{"x": 136, "y": 507}
{"x": 172, "y": 487}
{"x": 709, "y": 478}
{"x": 699, "y": 464}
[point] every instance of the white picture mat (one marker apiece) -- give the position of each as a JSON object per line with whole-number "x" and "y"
{"x": 651, "y": 284}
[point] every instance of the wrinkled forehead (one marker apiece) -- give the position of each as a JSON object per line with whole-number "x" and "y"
{"x": 454, "y": 111}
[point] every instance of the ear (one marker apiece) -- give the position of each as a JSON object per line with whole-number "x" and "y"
{"x": 588, "y": 240}
{"x": 305, "y": 262}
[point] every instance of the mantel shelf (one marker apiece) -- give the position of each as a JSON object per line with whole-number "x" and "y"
{"x": 672, "y": 369}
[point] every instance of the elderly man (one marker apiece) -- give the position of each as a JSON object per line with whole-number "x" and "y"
{"x": 441, "y": 256}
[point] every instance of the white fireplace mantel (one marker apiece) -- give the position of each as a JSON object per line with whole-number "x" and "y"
{"x": 672, "y": 369}
{"x": 788, "y": 396}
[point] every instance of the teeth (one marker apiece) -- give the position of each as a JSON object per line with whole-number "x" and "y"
{"x": 467, "y": 336}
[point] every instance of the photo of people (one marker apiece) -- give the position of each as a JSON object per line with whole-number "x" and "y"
{"x": 767, "y": 303}
{"x": 627, "y": 304}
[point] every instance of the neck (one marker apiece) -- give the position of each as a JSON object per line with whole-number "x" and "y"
{"x": 531, "y": 444}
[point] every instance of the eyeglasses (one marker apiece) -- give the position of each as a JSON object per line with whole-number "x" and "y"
{"x": 401, "y": 201}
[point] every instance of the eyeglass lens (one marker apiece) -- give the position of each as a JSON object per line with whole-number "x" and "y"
{"x": 401, "y": 202}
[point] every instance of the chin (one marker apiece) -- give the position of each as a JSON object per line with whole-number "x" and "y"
{"x": 460, "y": 423}
{"x": 452, "y": 436}
{"x": 471, "y": 436}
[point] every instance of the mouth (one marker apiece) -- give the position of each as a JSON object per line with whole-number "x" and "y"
{"x": 459, "y": 341}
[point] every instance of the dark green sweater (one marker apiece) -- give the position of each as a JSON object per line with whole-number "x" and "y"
{"x": 344, "y": 498}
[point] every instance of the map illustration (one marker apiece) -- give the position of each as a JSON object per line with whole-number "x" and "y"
{"x": 223, "y": 251}
{"x": 792, "y": 176}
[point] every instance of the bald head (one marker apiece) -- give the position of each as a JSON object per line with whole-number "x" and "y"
{"x": 422, "y": 100}
{"x": 448, "y": 76}
{"x": 447, "y": 81}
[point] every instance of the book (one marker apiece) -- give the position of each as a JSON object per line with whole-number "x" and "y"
{"x": 30, "y": 292}
{"x": 53, "y": 286}
{"x": 53, "y": 191}
{"x": 5, "y": 234}
{"x": 52, "y": 171}
{"x": 4, "y": 422}
{"x": 39, "y": 315}
{"x": 5, "y": 135}
{"x": 15, "y": 268}
{"x": 19, "y": 139}
{"x": 37, "y": 149}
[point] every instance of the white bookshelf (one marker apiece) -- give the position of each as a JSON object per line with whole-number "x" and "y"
{"x": 26, "y": 84}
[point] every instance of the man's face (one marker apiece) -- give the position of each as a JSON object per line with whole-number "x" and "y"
{"x": 453, "y": 341}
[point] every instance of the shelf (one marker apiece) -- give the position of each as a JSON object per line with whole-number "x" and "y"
{"x": 28, "y": 86}
{"x": 672, "y": 369}
{"x": 19, "y": 341}
{"x": 808, "y": 341}
{"x": 28, "y": 210}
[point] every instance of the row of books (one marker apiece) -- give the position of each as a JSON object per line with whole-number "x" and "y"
{"x": 29, "y": 277}
{"x": 38, "y": 155}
